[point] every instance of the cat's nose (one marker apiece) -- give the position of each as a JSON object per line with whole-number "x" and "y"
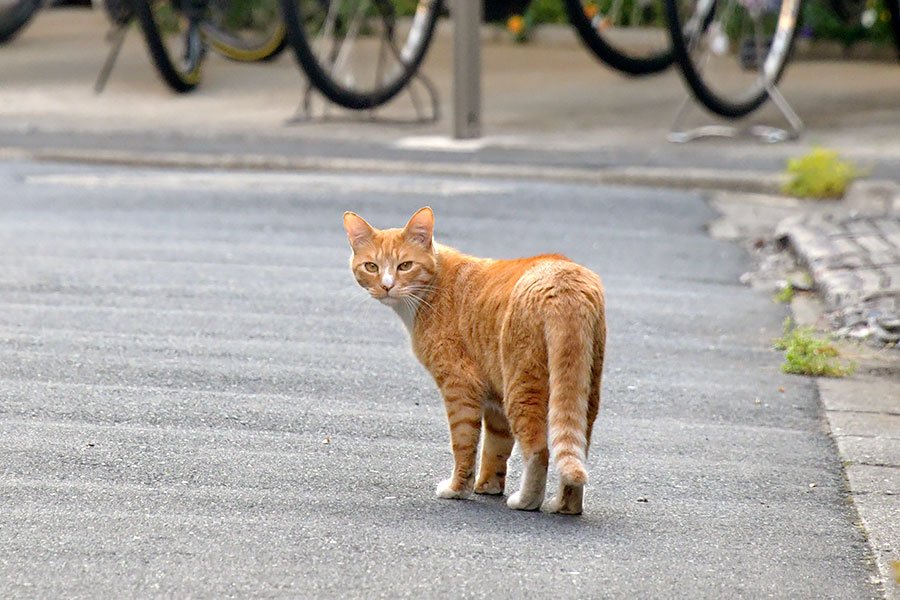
{"x": 387, "y": 282}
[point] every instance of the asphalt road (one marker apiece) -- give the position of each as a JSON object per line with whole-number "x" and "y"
{"x": 197, "y": 401}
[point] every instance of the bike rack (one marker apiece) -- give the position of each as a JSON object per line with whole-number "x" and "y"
{"x": 766, "y": 133}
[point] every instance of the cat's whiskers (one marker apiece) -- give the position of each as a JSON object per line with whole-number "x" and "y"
{"x": 423, "y": 302}
{"x": 355, "y": 294}
{"x": 415, "y": 295}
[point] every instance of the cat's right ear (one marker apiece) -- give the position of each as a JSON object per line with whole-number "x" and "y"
{"x": 358, "y": 231}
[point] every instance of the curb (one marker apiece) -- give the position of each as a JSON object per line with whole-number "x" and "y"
{"x": 713, "y": 179}
{"x": 863, "y": 419}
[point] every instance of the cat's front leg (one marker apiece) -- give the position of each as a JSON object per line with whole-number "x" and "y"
{"x": 463, "y": 404}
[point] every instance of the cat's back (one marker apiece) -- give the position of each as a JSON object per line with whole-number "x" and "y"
{"x": 549, "y": 277}
{"x": 492, "y": 289}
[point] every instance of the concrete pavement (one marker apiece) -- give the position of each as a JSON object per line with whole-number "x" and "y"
{"x": 197, "y": 400}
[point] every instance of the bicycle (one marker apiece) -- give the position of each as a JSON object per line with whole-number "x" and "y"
{"x": 178, "y": 33}
{"x": 731, "y": 53}
{"x": 360, "y": 53}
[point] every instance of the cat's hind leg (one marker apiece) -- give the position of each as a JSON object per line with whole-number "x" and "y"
{"x": 568, "y": 500}
{"x": 495, "y": 450}
{"x": 526, "y": 407}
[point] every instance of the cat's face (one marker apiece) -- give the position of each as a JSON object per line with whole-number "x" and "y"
{"x": 393, "y": 265}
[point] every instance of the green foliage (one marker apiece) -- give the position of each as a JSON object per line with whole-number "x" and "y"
{"x": 786, "y": 294}
{"x": 405, "y": 8}
{"x": 820, "y": 22}
{"x": 819, "y": 174}
{"x": 806, "y": 354}
{"x": 539, "y": 12}
{"x": 249, "y": 14}
{"x": 818, "y": 18}
{"x": 167, "y": 20}
{"x": 545, "y": 11}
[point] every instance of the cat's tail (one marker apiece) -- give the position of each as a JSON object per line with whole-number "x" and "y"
{"x": 572, "y": 346}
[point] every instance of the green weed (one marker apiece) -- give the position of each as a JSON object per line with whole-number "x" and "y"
{"x": 819, "y": 174}
{"x": 806, "y": 354}
{"x": 786, "y": 294}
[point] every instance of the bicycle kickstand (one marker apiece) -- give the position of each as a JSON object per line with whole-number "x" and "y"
{"x": 116, "y": 37}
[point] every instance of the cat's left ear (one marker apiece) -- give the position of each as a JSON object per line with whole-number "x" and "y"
{"x": 420, "y": 228}
{"x": 358, "y": 231}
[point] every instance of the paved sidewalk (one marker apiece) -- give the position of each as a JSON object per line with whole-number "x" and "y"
{"x": 854, "y": 260}
{"x": 853, "y": 257}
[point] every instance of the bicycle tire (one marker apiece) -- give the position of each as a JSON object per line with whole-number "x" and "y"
{"x": 624, "y": 60}
{"x": 15, "y": 17}
{"x": 257, "y": 35}
{"x": 181, "y": 74}
{"x": 319, "y": 71}
{"x": 727, "y": 104}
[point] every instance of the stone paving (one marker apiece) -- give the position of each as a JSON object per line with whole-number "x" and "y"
{"x": 853, "y": 258}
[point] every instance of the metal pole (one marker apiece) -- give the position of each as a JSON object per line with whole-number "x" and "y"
{"x": 467, "y": 15}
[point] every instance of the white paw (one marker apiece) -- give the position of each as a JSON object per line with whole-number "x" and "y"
{"x": 445, "y": 491}
{"x": 516, "y": 502}
{"x": 492, "y": 489}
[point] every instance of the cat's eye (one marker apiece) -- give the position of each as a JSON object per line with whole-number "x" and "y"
{"x": 405, "y": 266}
{"x": 371, "y": 267}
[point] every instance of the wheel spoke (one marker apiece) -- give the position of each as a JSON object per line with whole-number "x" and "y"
{"x": 359, "y": 53}
{"x": 731, "y": 52}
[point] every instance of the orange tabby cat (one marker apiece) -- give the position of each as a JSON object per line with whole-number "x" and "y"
{"x": 515, "y": 346}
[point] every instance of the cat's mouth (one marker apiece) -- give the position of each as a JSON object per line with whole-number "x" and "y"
{"x": 389, "y": 300}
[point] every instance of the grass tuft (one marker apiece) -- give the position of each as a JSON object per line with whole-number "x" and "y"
{"x": 786, "y": 294}
{"x": 819, "y": 174}
{"x": 806, "y": 354}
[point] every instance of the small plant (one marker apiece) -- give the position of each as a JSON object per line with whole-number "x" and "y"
{"x": 786, "y": 294}
{"x": 538, "y": 12}
{"x": 819, "y": 174}
{"x": 516, "y": 26}
{"x": 806, "y": 354}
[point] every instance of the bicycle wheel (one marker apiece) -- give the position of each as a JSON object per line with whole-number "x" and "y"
{"x": 14, "y": 15}
{"x": 173, "y": 40}
{"x": 628, "y": 35}
{"x": 245, "y": 30}
{"x": 731, "y": 63}
{"x": 360, "y": 53}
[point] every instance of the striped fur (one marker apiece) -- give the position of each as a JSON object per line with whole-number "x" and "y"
{"x": 515, "y": 346}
